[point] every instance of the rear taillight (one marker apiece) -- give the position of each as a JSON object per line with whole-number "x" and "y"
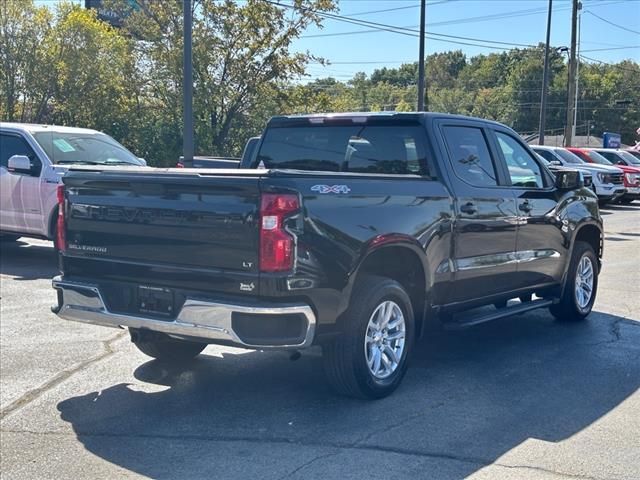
{"x": 276, "y": 244}
{"x": 61, "y": 238}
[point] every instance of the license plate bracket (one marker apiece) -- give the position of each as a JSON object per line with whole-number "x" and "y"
{"x": 155, "y": 301}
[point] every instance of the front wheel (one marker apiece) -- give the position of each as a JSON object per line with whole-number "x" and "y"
{"x": 164, "y": 348}
{"x": 369, "y": 360}
{"x": 581, "y": 285}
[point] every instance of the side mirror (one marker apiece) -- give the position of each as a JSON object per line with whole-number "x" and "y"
{"x": 557, "y": 163}
{"x": 568, "y": 180}
{"x": 19, "y": 164}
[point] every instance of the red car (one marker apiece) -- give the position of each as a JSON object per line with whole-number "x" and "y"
{"x": 630, "y": 165}
{"x": 613, "y": 179}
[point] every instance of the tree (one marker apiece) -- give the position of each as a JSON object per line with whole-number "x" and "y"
{"x": 242, "y": 63}
{"x": 26, "y": 67}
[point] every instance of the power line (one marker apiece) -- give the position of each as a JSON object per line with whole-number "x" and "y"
{"x": 611, "y": 23}
{"x": 406, "y": 7}
{"x": 620, "y": 67}
{"x": 411, "y": 32}
{"x": 637, "y": 47}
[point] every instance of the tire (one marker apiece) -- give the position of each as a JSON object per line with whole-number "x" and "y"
{"x": 164, "y": 348}
{"x": 573, "y": 307}
{"x": 346, "y": 358}
{"x": 626, "y": 201}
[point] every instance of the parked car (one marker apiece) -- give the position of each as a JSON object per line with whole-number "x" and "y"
{"x": 557, "y": 157}
{"x": 612, "y": 178}
{"x": 226, "y": 162}
{"x": 33, "y": 158}
{"x": 361, "y": 228}
{"x": 210, "y": 162}
{"x": 587, "y": 179}
{"x": 635, "y": 153}
{"x": 249, "y": 153}
{"x": 627, "y": 163}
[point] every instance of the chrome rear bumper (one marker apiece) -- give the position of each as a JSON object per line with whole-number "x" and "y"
{"x": 207, "y": 320}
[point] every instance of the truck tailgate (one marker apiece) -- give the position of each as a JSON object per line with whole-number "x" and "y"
{"x": 177, "y": 219}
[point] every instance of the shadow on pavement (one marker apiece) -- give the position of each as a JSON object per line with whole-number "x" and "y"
{"x": 469, "y": 397}
{"x": 28, "y": 261}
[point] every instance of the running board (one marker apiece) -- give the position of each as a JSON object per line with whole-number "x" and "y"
{"x": 467, "y": 321}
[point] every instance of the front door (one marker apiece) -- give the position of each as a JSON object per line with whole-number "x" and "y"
{"x": 20, "y": 200}
{"x": 485, "y": 221}
{"x": 541, "y": 245}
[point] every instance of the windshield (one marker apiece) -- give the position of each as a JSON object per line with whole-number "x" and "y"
{"x": 597, "y": 158}
{"x": 634, "y": 154}
{"x": 569, "y": 157}
{"x": 85, "y": 148}
{"x": 629, "y": 158}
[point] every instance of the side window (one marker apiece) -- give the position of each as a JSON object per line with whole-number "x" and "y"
{"x": 612, "y": 157}
{"x": 11, "y": 145}
{"x": 470, "y": 155}
{"x": 523, "y": 169}
{"x": 547, "y": 155}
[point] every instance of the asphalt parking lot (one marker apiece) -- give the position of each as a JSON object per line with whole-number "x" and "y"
{"x": 521, "y": 398}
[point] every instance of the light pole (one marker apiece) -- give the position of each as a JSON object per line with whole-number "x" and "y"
{"x": 187, "y": 86}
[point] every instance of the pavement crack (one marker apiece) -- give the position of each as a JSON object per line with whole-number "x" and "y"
{"x": 475, "y": 461}
{"x": 306, "y": 464}
{"x": 60, "y": 377}
{"x": 553, "y": 472}
{"x": 393, "y": 426}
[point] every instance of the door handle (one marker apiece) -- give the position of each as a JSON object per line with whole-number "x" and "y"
{"x": 526, "y": 207}
{"x": 469, "y": 208}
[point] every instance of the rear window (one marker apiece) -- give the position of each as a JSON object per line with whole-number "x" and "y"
{"x": 392, "y": 149}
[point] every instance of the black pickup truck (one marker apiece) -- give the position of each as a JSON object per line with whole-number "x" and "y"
{"x": 360, "y": 229}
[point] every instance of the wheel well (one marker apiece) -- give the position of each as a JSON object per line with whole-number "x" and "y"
{"x": 405, "y": 267}
{"x": 591, "y": 235}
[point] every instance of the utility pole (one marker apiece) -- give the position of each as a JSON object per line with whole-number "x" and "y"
{"x": 571, "y": 83}
{"x": 421, "y": 80}
{"x": 187, "y": 86}
{"x": 545, "y": 79}
{"x": 575, "y": 103}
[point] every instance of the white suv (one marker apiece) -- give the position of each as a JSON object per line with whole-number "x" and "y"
{"x": 603, "y": 185}
{"x": 33, "y": 158}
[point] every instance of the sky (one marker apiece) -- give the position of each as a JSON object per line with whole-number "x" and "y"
{"x": 478, "y": 19}
{"x": 610, "y": 31}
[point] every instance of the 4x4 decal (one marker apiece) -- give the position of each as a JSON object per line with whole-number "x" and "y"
{"x": 323, "y": 189}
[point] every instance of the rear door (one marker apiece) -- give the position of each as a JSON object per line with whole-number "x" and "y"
{"x": 540, "y": 249}
{"x": 485, "y": 214}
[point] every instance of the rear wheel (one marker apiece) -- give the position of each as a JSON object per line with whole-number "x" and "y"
{"x": 369, "y": 360}
{"x": 579, "y": 292}
{"x": 164, "y": 348}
